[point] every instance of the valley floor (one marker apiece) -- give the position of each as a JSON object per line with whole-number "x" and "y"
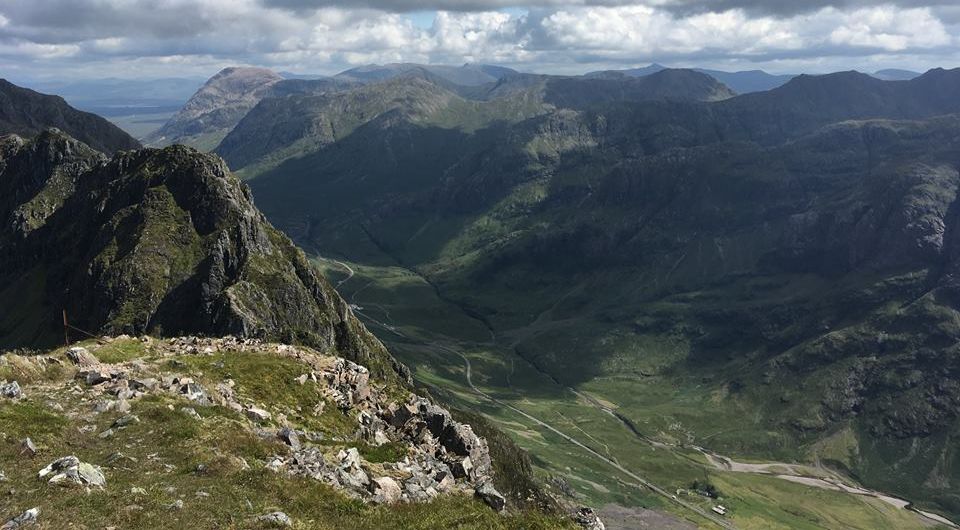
{"x": 605, "y": 441}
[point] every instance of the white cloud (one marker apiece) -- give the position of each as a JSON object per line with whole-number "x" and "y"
{"x": 174, "y": 37}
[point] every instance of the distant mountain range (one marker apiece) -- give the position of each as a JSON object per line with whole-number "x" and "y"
{"x": 770, "y": 238}
{"x": 744, "y": 82}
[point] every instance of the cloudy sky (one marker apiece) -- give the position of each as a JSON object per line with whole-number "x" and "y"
{"x": 157, "y": 38}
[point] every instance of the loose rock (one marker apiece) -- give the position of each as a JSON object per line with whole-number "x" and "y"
{"x": 70, "y": 470}
{"x": 27, "y": 448}
{"x": 258, "y": 414}
{"x": 276, "y": 520}
{"x": 491, "y": 496}
{"x": 11, "y": 390}
{"x": 27, "y": 518}
{"x": 82, "y": 357}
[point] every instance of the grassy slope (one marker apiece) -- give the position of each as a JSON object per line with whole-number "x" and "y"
{"x": 160, "y": 454}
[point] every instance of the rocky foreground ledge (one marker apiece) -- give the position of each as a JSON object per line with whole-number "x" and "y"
{"x": 238, "y": 432}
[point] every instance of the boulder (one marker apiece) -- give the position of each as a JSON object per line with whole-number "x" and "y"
{"x": 289, "y": 437}
{"x": 385, "y": 490}
{"x": 70, "y": 470}
{"x": 11, "y": 390}
{"x": 25, "y": 519}
{"x": 491, "y": 496}
{"x": 276, "y": 520}
{"x": 257, "y": 414}
{"x": 82, "y": 357}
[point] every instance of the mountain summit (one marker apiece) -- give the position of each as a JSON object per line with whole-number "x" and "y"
{"x": 153, "y": 241}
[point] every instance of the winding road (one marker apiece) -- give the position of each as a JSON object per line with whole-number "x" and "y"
{"x": 640, "y": 480}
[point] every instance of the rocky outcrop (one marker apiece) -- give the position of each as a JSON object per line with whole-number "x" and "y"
{"x": 167, "y": 242}
{"x": 434, "y": 454}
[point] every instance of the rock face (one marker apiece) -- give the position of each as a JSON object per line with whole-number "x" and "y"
{"x": 154, "y": 241}
{"x": 28, "y": 113}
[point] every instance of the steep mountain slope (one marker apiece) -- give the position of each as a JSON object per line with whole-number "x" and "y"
{"x": 216, "y": 107}
{"x": 154, "y": 241}
{"x": 25, "y": 112}
{"x": 771, "y": 275}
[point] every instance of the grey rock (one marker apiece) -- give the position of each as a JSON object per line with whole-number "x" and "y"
{"x": 257, "y": 414}
{"x": 276, "y": 520}
{"x": 70, "y": 470}
{"x": 588, "y": 519}
{"x": 11, "y": 390}
{"x": 385, "y": 490}
{"x": 191, "y": 412}
{"x": 176, "y": 505}
{"x": 95, "y": 376}
{"x": 125, "y": 420}
{"x": 27, "y": 448}
{"x": 91, "y": 474}
{"x": 147, "y": 384}
{"x": 289, "y": 437}
{"x": 491, "y": 496}
{"x": 25, "y": 519}
{"x": 82, "y": 357}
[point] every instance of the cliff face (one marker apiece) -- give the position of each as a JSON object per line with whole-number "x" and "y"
{"x": 160, "y": 241}
{"x": 27, "y": 113}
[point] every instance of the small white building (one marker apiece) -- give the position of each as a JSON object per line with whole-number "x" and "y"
{"x": 720, "y": 509}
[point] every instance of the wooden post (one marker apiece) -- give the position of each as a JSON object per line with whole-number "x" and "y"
{"x": 66, "y": 329}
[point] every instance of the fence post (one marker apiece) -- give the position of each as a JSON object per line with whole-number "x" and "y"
{"x": 66, "y": 329}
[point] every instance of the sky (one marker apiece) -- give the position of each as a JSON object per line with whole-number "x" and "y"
{"x": 79, "y": 39}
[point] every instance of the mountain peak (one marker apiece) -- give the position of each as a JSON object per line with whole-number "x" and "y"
{"x": 158, "y": 241}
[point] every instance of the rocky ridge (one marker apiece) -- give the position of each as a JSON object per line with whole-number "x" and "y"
{"x": 155, "y": 241}
{"x": 429, "y": 454}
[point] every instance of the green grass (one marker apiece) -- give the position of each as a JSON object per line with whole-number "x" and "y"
{"x": 214, "y": 466}
{"x": 639, "y": 379}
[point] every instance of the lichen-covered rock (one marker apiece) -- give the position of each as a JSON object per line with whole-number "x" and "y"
{"x": 276, "y": 520}
{"x": 70, "y": 470}
{"x": 24, "y": 520}
{"x": 11, "y": 390}
{"x": 82, "y": 357}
